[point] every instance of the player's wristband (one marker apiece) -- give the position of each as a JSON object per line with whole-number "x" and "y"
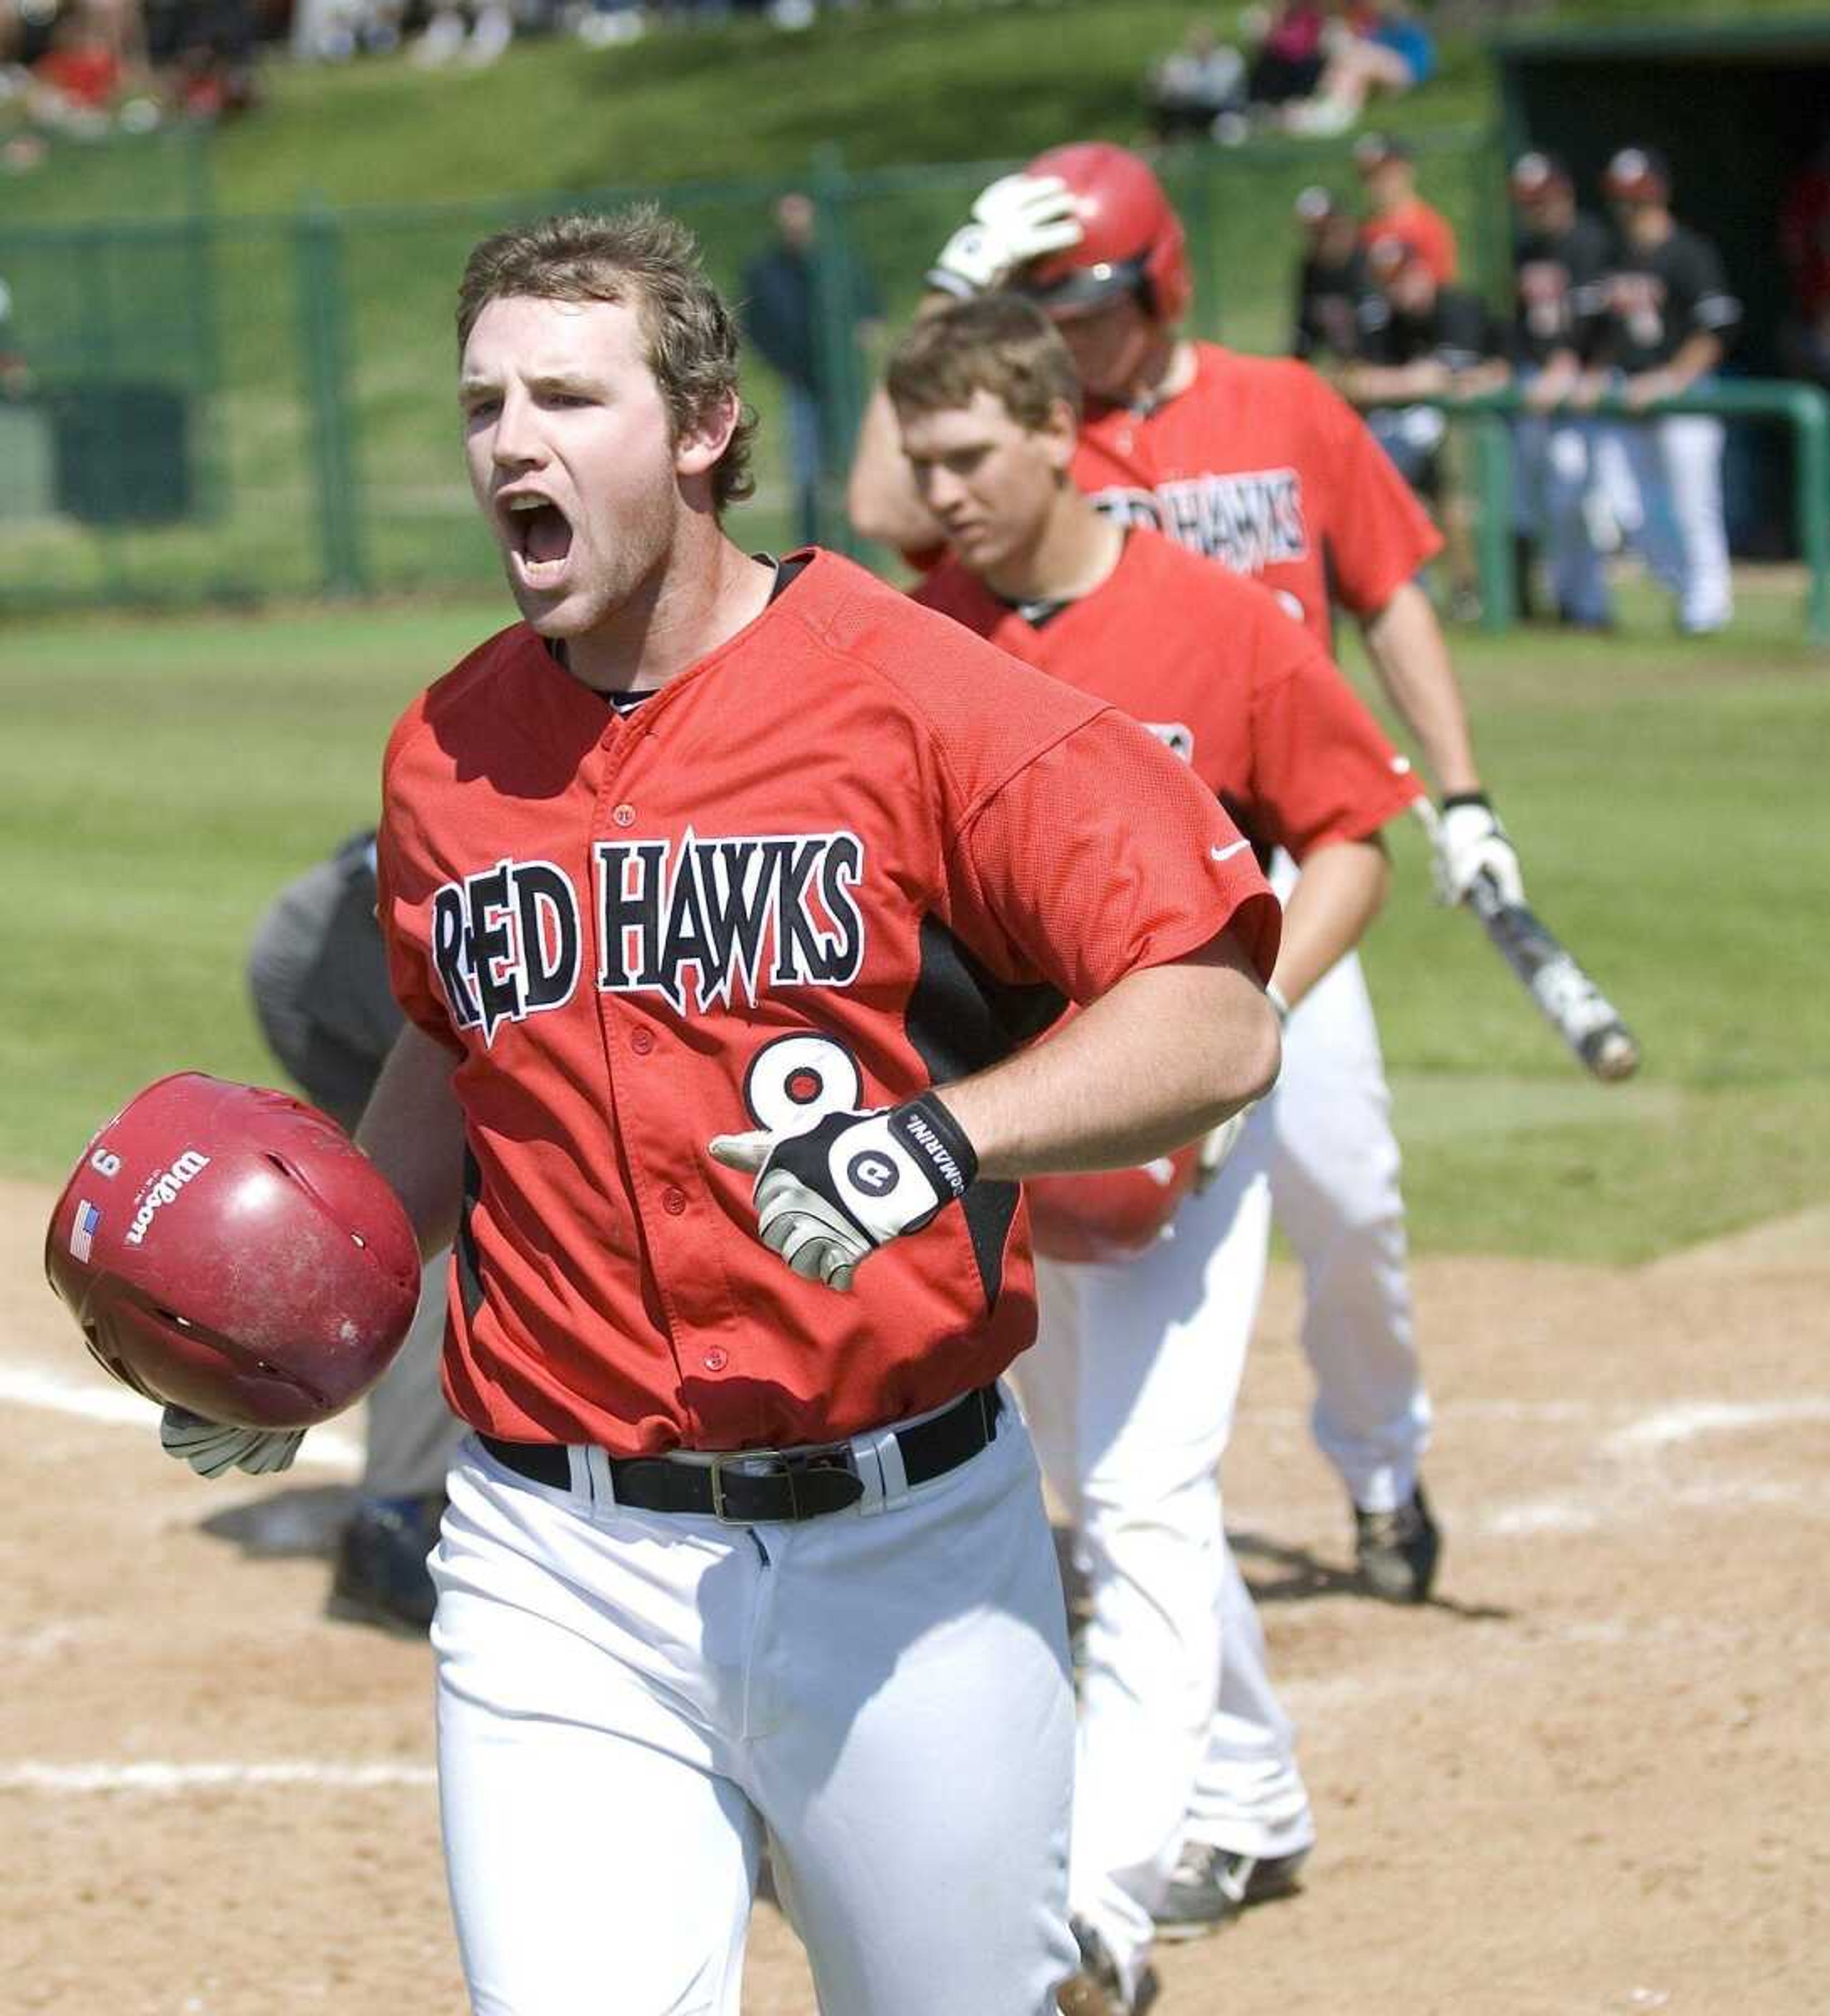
{"x": 1452, "y": 799}
{"x": 937, "y": 1141}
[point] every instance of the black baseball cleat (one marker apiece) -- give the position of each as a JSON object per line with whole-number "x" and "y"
{"x": 1212, "y": 1886}
{"x": 1397, "y": 1552}
{"x": 381, "y": 1578}
{"x": 1096, "y": 1987}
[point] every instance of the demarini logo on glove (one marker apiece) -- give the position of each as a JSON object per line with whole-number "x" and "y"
{"x": 690, "y": 920}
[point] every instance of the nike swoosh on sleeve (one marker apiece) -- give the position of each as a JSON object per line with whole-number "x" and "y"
{"x": 1227, "y": 853}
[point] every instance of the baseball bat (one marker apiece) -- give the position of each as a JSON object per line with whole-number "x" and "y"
{"x": 1571, "y": 1002}
{"x": 1573, "y": 1005}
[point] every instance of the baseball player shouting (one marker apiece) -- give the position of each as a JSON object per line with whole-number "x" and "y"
{"x": 726, "y": 900}
{"x": 1130, "y": 1391}
{"x": 1254, "y": 461}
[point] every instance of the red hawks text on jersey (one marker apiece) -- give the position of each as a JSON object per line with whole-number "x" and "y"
{"x": 1260, "y": 464}
{"x": 852, "y": 853}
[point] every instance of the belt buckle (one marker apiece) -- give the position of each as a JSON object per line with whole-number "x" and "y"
{"x": 746, "y": 1463}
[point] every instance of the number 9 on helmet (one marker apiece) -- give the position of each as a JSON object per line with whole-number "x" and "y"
{"x": 230, "y": 1251}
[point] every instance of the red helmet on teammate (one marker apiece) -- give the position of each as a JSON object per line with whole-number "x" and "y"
{"x": 1131, "y": 242}
{"x": 230, "y": 1251}
{"x": 1114, "y": 1215}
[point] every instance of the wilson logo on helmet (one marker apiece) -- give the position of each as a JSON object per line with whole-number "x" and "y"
{"x": 163, "y": 1190}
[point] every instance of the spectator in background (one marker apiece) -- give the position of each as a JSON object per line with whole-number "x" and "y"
{"x": 1560, "y": 259}
{"x": 1331, "y": 283}
{"x": 780, "y": 312}
{"x": 1667, "y": 319}
{"x": 475, "y": 32}
{"x": 1388, "y": 177}
{"x": 1421, "y": 340}
{"x": 1188, "y": 90}
{"x": 1804, "y": 250}
{"x": 1379, "y": 48}
{"x": 202, "y": 53}
{"x": 1289, "y": 61}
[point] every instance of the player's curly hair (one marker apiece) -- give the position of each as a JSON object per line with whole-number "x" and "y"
{"x": 639, "y": 253}
{"x": 999, "y": 344}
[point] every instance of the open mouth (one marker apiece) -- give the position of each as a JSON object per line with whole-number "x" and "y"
{"x": 540, "y": 536}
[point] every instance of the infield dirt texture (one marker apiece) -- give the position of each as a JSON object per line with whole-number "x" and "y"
{"x": 1588, "y": 1778}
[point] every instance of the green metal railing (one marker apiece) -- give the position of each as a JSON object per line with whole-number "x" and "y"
{"x": 1802, "y": 408}
{"x": 239, "y": 407}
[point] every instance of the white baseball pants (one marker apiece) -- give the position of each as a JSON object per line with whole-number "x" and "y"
{"x": 1555, "y": 480}
{"x": 1676, "y": 464}
{"x": 1334, "y": 1165}
{"x": 630, "y": 1703}
{"x": 1129, "y": 1391}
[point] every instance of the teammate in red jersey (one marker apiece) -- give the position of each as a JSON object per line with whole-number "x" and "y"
{"x": 1130, "y": 1392}
{"x": 726, "y": 900}
{"x": 1254, "y": 462}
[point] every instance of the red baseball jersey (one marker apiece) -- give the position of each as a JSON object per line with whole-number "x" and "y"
{"x": 1421, "y": 229}
{"x": 1213, "y": 667}
{"x": 852, "y": 852}
{"x": 1260, "y": 464}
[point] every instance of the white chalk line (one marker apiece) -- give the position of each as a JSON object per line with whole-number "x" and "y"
{"x": 163, "y": 1780}
{"x": 1690, "y": 1419}
{"x": 117, "y": 1407}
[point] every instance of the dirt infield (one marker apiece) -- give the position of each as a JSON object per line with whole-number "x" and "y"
{"x": 1589, "y": 1779}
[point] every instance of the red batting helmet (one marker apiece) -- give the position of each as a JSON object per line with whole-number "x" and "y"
{"x": 232, "y": 1251}
{"x": 1111, "y": 1216}
{"x": 1131, "y": 242}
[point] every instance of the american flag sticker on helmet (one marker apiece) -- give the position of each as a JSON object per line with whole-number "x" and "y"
{"x": 83, "y": 1228}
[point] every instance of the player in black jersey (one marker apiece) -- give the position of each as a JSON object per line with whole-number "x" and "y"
{"x": 1560, "y": 258}
{"x": 1667, "y": 318}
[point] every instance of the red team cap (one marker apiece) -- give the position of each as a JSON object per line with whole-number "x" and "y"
{"x": 230, "y": 1251}
{"x": 1114, "y": 1215}
{"x": 1131, "y": 238}
{"x": 1637, "y": 174}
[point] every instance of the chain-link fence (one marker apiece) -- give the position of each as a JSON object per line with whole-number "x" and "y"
{"x": 202, "y": 407}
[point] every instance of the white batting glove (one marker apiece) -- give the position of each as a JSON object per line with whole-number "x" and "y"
{"x": 1471, "y": 841}
{"x": 1018, "y": 218}
{"x": 210, "y": 1448}
{"x": 827, "y": 1198}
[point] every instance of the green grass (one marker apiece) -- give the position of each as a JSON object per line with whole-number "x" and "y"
{"x": 159, "y": 777}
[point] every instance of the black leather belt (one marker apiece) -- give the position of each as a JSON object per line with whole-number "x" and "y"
{"x": 755, "y": 1487}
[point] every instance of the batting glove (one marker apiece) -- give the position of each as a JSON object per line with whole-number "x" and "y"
{"x": 1470, "y": 842}
{"x": 210, "y": 1448}
{"x": 827, "y": 1199}
{"x": 1017, "y": 219}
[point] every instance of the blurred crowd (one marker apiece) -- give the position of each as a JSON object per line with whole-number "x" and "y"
{"x": 1310, "y": 66}
{"x": 85, "y": 67}
{"x": 1630, "y": 307}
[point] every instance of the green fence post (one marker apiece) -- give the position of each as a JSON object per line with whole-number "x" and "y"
{"x": 91, "y": 248}
{"x": 1811, "y": 415}
{"x": 1492, "y": 448}
{"x": 324, "y": 357}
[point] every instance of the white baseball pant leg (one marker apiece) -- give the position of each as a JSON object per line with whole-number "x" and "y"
{"x": 1677, "y": 464}
{"x": 1577, "y": 579}
{"x": 1130, "y": 1391}
{"x": 1335, "y": 1196}
{"x": 629, "y": 1703}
